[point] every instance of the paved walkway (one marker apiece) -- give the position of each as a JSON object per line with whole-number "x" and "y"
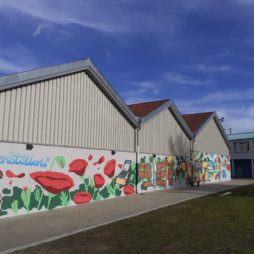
{"x": 28, "y": 230}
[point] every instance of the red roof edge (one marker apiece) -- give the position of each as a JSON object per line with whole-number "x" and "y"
{"x": 145, "y": 108}
{"x": 196, "y": 120}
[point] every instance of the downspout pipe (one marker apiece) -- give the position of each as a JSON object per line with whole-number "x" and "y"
{"x": 137, "y": 151}
{"x": 192, "y": 141}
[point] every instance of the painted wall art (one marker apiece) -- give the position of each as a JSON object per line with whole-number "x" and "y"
{"x": 51, "y": 177}
{"x": 160, "y": 172}
{"x": 211, "y": 167}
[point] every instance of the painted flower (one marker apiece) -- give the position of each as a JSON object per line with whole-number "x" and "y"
{"x": 78, "y": 167}
{"x": 53, "y": 182}
{"x": 109, "y": 168}
{"x": 101, "y": 160}
{"x": 128, "y": 189}
{"x": 10, "y": 174}
{"x": 99, "y": 180}
{"x": 82, "y": 197}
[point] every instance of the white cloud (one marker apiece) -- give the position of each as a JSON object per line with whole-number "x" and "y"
{"x": 107, "y": 16}
{"x": 186, "y": 80}
{"x": 210, "y": 68}
{"x": 7, "y": 66}
{"x": 236, "y": 106}
{"x": 144, "y": 91}
{"x": 16, "y": 58}
{"x": 40, "y": 29}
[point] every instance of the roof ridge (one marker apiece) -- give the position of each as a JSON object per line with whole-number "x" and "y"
{"x": 44, "y": 67}
{"x": 198, "y": 113}
{"x": 149, "y": 102}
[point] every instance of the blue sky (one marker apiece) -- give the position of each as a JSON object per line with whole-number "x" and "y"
{"x": 200, "y": 53}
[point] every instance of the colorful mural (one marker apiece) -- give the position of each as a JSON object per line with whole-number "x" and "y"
{"x": 159, "y": 172}
{"x": 47, "y": 177}
{"x": 210, "y": 167}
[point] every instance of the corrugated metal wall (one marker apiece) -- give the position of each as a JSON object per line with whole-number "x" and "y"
{"x": 162, "y": 135}
{"x": 67, "y": 111}
{"x": 210, "y": 140}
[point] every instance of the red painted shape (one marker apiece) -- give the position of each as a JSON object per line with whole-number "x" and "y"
{"x": 25, "y": 188}
{"x": 120, "y": 165}
{"x": 99, "y": 180}
{"x": 110, "y": 167}
{"x": 90, "y": 157}
{"x": 78, "y": 167}
{"x": 101, "y": 160}
{"x": 10, "y": 182}
{"x": 53, "y": 182}
{"x": 82, "y": 197}
{"x": 10, "y": 174}
{"x": 128, "y": 189}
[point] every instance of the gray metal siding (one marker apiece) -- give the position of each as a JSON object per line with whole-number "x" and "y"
{"x": 162, "y": 134}
{"x": 210, "y": 140}
{"x": 66, "y": 111}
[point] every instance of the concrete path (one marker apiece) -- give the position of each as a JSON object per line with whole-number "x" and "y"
{"x": 29, "y": 230}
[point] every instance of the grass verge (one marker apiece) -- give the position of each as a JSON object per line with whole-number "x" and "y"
{"x": 211, "y": 224}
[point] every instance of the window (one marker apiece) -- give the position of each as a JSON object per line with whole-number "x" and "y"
{"x": 247, "y": 146}
{"x": 243, "y": 146}
{"x": 235, "y": 147}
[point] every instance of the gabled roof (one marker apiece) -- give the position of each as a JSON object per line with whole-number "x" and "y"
{"x": 147, "y": 110}
{"x": 241, "y": 136}
{"x": 29, "y": 77}
{"x": 196, "y": 120}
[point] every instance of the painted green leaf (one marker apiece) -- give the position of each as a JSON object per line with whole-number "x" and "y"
{"x": 60, "y": 160}
{"x": 6, "y": 191}
{"x": 26, "y": 197}
{"x": 104, "y": 193}
{"x": 111, "y": 190}
{"x": 15, "y": 206}
{"x": 50, "y": 196}
{"x": 65, "y": 199}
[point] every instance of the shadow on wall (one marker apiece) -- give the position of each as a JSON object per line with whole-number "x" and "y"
{"x": 177, "y": 146}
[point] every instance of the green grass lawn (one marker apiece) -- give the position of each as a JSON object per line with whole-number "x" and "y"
{"x": 212, "y": 224}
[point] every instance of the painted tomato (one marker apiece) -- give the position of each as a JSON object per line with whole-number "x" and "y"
{"x": 10, "y": 174}
{"x": 128, "y": 189}
{"x": 148, "y": 172}
{"x": 78, "y": 167}
{"x": 82, "y": 197}
{"x": 110, "y": 167}
{"x": 99, "y": 180}
{"x": 53, "y": 182}
{"x": 141, "y": 170}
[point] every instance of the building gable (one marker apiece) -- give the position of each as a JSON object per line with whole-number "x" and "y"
{"x": 69, "y": 110}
